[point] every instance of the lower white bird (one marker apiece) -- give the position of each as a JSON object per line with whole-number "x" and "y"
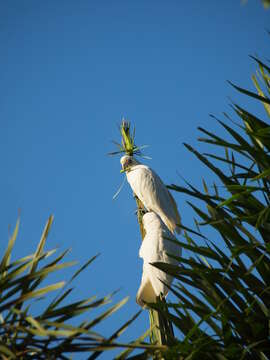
{"x": 155, "y": 248}
{"x": 152, "y": 192}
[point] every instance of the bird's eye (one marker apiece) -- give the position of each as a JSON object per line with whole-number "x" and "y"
{"x": 128, "y": 162}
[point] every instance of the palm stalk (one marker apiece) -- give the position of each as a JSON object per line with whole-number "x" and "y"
{"x": 161, "y": 330}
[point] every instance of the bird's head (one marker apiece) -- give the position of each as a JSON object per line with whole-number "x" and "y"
{"x": 127, "y": 162}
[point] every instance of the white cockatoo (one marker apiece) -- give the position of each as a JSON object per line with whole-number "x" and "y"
{"x": 154, "y": 248}
{"x": 152, "y": 192}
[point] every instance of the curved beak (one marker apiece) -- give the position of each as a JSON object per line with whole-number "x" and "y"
{"x": 123, "y": 168}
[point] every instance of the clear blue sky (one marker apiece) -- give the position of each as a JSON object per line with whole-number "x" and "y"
{"x": 70, "y": 70}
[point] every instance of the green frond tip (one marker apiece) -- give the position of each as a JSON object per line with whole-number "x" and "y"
{"x": 127, "y": 139}
{"x": 266, "y": 4}
{"x": 127, "y": 145}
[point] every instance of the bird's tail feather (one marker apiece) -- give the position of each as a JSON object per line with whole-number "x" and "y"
{"x": 171, "y": 225}
{"x": 145, "y": 294}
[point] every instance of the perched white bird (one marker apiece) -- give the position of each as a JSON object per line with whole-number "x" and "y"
{"x": 149, "y": 188}
{"x": 154, "y": 248}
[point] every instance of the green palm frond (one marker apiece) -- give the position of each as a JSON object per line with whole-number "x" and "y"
{"x": 52, "y": 331}
{"x": 222, "y": 292}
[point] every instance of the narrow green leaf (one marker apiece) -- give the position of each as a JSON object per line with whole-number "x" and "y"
{"x": 251, "y": 94}
{"x": 260, "y": 92}
{"x": 264, "y": 174}
{"x": 7, "y": 351}
{"x": 33, "y": 294}
{"x": 42, "y": 243}
{"x": 6, "y": 257}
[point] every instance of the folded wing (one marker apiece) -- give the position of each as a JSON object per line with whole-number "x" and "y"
{"x": 150, "y": 189}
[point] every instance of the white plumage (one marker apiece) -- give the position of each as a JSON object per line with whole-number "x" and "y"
{"x": 155, "y": 248}
{"x": 149, "y": 188}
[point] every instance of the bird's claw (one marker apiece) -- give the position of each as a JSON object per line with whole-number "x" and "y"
{"x": 140, "y": 212}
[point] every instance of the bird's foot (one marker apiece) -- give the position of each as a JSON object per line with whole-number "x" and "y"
{"x": 140, "y": 212}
